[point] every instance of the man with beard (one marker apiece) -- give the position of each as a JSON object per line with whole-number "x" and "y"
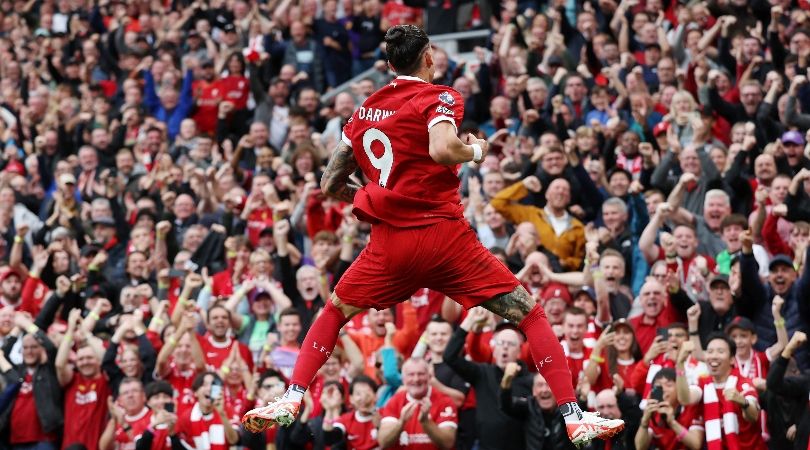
{"x": 545, "y": 427}
{"x": 10, "y": 288}
{"x": 794, "y": 158}
{"x": 783, "y": 280}
{"x": 722, "y": 395}
{"x": 86, "y": 387}
{"x": 217, "y": 342}
{"x": 370, "y": 340}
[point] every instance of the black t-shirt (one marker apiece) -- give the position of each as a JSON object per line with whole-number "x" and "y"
{"x": 368, "y": 30}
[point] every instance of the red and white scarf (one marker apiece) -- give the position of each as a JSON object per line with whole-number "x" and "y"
{"x": 722, "y": 417}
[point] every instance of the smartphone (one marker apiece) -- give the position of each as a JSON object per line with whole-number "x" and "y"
{"x": 657, "y": 393}
{"x": 175, "y": 273}
{"x": 663, "y": 332}
{"x": 216, "y": 390}
{"x": 169, "y": 407}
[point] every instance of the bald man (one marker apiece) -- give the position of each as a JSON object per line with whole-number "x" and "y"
{"x": 559, "y": 232}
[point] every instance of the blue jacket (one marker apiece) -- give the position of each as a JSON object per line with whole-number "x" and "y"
{"x": 158, "y": 111}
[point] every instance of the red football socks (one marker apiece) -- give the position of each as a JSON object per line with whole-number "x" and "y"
{"x": 548, "y": 354}
{"x": 318, "y": 345}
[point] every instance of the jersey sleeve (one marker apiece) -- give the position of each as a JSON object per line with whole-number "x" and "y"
{"x": 390, "y": 412}
{"x": 445, "y": 413}
{"x": 346, "y": 136}
{"x": 441, "y": 105}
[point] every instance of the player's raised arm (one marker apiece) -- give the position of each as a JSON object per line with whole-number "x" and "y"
{"x": 447, "y": 149}
{"x": 335, "y": 181}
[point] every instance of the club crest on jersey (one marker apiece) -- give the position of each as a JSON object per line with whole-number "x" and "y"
{"x": 442, "y": 110}
{"x": 445, "y": 97}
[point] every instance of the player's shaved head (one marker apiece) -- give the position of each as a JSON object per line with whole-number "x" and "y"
{"x": 405, "y": 45}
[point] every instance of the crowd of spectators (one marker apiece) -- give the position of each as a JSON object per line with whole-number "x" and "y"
{"x": 165, "y": 244}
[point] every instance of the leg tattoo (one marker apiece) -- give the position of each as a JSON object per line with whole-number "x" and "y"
{"x": 513, "y": 306}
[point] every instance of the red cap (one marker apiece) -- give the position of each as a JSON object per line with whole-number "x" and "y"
{"x": 556, "y": 290}
{"x": 8, "y": 271}
{"x": 659, "y": 128}
{"x": 15, "y": 167}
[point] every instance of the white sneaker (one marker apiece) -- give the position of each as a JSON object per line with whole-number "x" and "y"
{"x": 591, "y": 427}
{"x": 279, "y": 412}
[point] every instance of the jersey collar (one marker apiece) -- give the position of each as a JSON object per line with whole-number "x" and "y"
{"x": 410, "y": 78}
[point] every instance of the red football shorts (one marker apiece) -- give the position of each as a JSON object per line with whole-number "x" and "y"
{"x": 446, "y": 257}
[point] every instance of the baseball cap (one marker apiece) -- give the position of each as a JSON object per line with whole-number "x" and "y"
{"x": 193, "y": 33}
{"x": 780, "y": 259}
{"x": 94, "y": 290}
{"x": 792, "y": 137}
{"x": 89, "y": 250}
{"x": 719, "y": 278}
{"x": 660, "y": 127}
{"x": 8, "y": 271}
{"x": 15, "y": 167}
{"x": 67, "y": 178}
{"x": 258, "y": 292}
{"x": 742, "y": 323}
{"x": 229, "y": 28}
{"x": 556, "y": 290}
{"x": 106, "y": 221}
{"x": 587, "y": 290}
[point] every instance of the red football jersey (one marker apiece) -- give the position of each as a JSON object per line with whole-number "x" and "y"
{"x": 442, "y": 411}
{"x": 389, "y": 136}
{"x": 664, "y": 438}
{"x": 215, "y": 352}
{"x": 181, "y": 381}
{"x": 85, "y": 410}
{"x": 25, "y": 424}
{"x": 360, "y": 432}
{"x": 139, "y": 423}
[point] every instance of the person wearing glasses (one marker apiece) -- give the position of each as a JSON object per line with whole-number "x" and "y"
{"x": 496, "y": 429}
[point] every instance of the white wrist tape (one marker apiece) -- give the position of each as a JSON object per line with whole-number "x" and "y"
{"x": 478, "y": 152}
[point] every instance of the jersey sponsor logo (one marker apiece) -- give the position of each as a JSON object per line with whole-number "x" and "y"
{"x": 373, "y": 114}
{"x": 442, "y": 110}
{"x": 447, "y": 412}
{"x": 84, "y": 398}
{"x": 446, "y": 97}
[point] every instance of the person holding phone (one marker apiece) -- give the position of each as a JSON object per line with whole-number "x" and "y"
{"x": 666, "y": 424}
{"x": 207, "y": 426}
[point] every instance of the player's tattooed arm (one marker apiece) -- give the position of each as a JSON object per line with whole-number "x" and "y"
{"x": 335, "y": 181}
{"x": 513, "y": 306}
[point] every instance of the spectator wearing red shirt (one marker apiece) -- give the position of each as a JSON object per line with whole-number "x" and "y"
{"x": 655, "y": 313}
{"x": 575, "y": 325}
{"x": 666, "y": 424}
{"x": 129, "y": 417}
{"x": 217, "y": 343}
{"x": 206, "y": 425}
{"x": 179, "y": 361}
{"x": 418, "y": 417}
{"x": 34, "y": 417}
{"x": 730, "y": 402}
{"x": 161, "y": 432}
{"x": 86, "y": 388}
{"x": 355, "y": 429}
